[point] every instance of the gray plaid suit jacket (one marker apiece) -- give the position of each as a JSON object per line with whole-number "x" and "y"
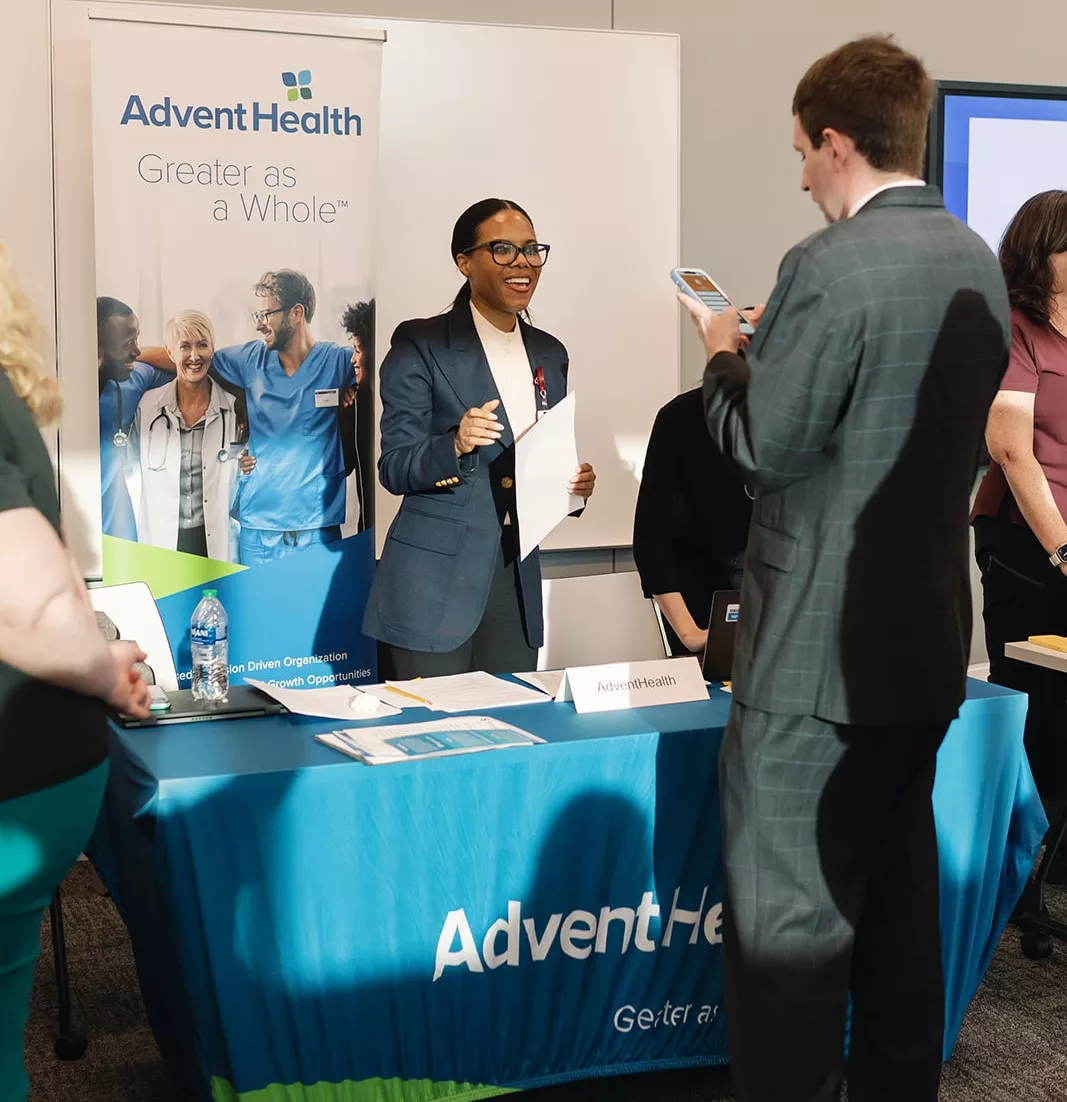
{"x": 857, "y": 420}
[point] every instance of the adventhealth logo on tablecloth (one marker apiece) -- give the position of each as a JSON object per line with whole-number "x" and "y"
{"x": 515, "y": 940}
{"x": 254, "y": 117}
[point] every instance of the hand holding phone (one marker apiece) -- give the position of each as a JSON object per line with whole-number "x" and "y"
{"x": 699, "y": 285}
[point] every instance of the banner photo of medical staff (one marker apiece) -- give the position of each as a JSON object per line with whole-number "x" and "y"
{"x": 234, "y": 215}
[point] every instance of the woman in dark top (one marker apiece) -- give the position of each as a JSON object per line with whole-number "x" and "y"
{"x": 691, "y": 522}
{"x": 56, "y": 676}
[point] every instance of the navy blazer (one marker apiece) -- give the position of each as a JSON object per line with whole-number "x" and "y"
{"x": 432, "y": 584}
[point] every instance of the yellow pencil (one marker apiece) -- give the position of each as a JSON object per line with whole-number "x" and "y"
{"x": 410, "y": 696}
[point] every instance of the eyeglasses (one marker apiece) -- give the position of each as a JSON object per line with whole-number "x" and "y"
{"x": 507, "y": 252}
{"x": 262, "y": 315}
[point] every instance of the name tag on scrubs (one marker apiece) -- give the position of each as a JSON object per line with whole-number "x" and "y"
{"x": 327, "y": 399}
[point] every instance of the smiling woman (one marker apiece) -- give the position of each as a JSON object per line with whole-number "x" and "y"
{"x": 450, "y": 594}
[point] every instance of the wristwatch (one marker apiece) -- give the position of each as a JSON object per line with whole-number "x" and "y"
{"x": 1059, "y": 556}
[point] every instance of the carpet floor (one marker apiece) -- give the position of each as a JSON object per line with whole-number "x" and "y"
{"x": 1013, "y": 1047}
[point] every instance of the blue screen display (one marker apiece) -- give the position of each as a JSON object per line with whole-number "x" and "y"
{"x": 960, "y": 109}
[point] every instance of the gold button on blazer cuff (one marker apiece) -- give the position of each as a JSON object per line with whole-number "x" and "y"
{"x": 506, "y": 483}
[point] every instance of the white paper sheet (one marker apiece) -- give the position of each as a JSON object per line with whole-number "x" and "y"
{"x": 332, "y": 702}
{"x": 390, "y": 696}
{"x": 469, "y": 692}
{"x": 548, "y": 681}
{"x": 546, "y": 457}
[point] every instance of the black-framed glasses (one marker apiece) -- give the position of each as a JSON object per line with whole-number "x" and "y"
{"x": 507, "y": 252}
{"x": 262, "y": 315}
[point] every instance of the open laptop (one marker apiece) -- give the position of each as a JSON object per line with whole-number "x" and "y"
{"x": 244, "y": 702}
{"x": 722, "y": 634}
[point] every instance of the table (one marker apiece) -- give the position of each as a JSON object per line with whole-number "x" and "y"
{"x": 307, "y": 927}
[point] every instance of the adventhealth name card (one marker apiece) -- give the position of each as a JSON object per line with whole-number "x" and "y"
{"x": 633, "y": 685}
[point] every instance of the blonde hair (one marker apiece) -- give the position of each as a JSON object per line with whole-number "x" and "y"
{"x": 21, "y": 343}
{"x": 189, "y": 323}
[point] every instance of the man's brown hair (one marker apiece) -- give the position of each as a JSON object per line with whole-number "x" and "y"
{"x": 876, "y": 94}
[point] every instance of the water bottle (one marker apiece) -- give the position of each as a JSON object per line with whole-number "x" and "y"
{"x": 211, "y": 671}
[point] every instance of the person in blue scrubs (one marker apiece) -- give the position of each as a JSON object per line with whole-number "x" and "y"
{"x": 123, "y": 383}
{"x": 294, "y": 386}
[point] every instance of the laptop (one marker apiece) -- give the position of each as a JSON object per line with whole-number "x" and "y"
{"x": 245, "y": 702}
{"x": 722, "y": 634}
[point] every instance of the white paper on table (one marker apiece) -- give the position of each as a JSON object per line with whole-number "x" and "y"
{"x": 332, "y": 702}
{"x": 548, "y": 681}
{"x": 379, "y": 745}
{"x": 546, "y": 457}
{"x": 395, "y": 699}
{"x": 469, "y": 692}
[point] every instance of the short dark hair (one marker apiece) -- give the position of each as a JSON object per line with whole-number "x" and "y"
{"x": 107, "y": 307}
{"x": 358, "y": 322}
{"x": 1037, "y": 232}
{"x": 465, "y": 231}
{"x": 290, "y": 287}
{"x": 875, "y": 93}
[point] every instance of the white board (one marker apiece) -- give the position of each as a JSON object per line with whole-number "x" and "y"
{"x": 579, "y": 127}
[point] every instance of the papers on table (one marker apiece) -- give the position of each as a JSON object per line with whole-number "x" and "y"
{"x": 548, "y": 681}
{"x": 464, "y": 692}
{"x": 394, "y": 697}
{"x": 437, "y": 739}
{"x": 546, "y": 457}
{"x": 332, "y": 702}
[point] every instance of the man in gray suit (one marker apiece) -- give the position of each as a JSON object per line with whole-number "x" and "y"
{"x": 857, "y": 418}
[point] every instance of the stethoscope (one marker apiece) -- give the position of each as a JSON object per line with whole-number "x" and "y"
{"x": 223, "y": 454}
{"x": 121, "y": 437}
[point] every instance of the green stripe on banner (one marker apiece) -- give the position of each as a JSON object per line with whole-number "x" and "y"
{"x": 366, "y": 1090}
{"x": 166, "y": 572}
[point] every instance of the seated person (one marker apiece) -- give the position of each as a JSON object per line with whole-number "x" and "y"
{"x": 691, "y": 523}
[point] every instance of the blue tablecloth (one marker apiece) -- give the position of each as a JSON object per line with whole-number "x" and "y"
{"x": 307, "y": 927}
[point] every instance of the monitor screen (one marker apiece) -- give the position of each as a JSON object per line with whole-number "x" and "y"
{"x": 993, "y": 146}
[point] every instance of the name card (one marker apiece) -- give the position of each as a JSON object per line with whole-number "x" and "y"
{"x": 633, "y": 685}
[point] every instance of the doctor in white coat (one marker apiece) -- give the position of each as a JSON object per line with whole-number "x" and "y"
{"x": 185, "y": 436}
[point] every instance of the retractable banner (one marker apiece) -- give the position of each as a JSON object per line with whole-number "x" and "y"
{"x": 234, "y": 184}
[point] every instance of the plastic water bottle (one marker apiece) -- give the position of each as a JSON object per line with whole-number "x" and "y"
{"x": 210, "y": 639}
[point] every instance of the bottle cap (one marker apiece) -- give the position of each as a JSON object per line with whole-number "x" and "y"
{"x": 211, "y": 592}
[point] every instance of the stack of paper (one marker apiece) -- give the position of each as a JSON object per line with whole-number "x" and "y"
{"x": 439, "y": 739}
{"x": 462, "y": 692}
{"x": 548, "y": 681}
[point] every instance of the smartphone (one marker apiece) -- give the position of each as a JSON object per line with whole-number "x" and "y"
{"x": 159, "y": 702}
{"x": 699, "y": 285}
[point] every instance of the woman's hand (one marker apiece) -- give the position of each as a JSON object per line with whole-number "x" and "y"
{"x": 247, "y": 462}
{"x": 695, "y": 641}
{"x": 129, "y": 694}
{"x": 581, "y": 485}
{"x": 480, "y": 427}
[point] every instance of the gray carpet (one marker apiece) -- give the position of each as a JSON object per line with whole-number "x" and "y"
{"x": 1013, "y": 1047}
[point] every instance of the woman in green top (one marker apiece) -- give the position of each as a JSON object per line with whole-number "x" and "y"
{"x": 57, "y": 678}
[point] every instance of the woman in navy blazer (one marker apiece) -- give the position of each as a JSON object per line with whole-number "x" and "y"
{"x": 450, "y": 595}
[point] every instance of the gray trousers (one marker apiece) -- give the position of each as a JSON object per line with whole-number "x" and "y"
{"x": 831, "y": 879}
{"x": 498, "y": 644}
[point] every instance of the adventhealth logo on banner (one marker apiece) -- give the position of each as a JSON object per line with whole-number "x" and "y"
{"x": 254, "y": 117}
{"x": 577, "y": 935}
{"x": 299, "y": 84}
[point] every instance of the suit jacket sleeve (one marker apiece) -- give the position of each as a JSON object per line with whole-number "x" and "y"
{"x": 412, "y": 460}
{"x": 774, "y": 413}
{"x": 654, "y": 516}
